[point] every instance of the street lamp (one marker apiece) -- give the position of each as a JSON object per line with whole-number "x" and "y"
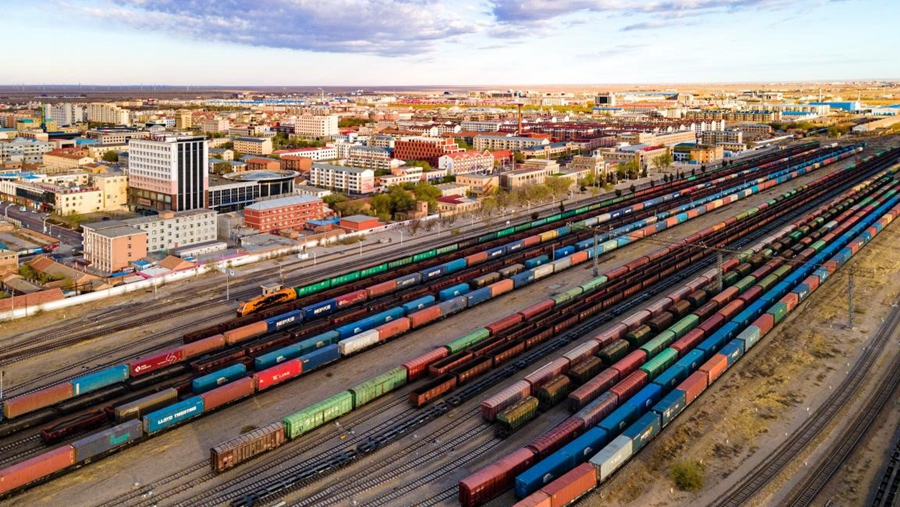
{"x": 401, "y": 239}
{"x": 45, "y": 224}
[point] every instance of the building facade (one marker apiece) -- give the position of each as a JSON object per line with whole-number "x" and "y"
{"x": 65, "y": 114}
{"x": 109, "y": 114}
{"x": 512, "y": 143}
{"x": 466, "y": 162}
{"x": 253, "y": 145}
{"x": 317, "y": 126}
{"x": 112, "y": 245}
{"x": 168, "y": 173}
{"x": 429, "y": 149}
{"x": 170, "y": 229}
{"x": 285, "y": 213}
{"x": 354, "y": 180}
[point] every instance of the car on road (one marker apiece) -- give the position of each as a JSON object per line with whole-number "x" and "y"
{"x": 22, "y": 208}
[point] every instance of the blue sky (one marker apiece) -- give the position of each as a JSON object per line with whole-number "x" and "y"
{"x": 446, "y": 42}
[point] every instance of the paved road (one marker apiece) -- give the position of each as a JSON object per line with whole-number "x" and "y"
{"x": 35, "y": 222}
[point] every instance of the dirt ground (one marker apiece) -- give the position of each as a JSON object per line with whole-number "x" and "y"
{"x": 750, "y": 411}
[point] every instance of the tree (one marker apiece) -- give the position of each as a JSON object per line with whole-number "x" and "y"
{"x": 221, "y": 168}
{"x": 631, "y": 188}
{"x": 463, "y": 144}
{"x": 687, "y": 475}
{"x": 631, "y": 169}
{"x": 333, "y": 199}
{"x": 558, "y": 186}
{"x": 663, "y": 161}
{"x": 424, "y": 164}
{"x": 352, "y": 122}
{"x": 111, "y": 156}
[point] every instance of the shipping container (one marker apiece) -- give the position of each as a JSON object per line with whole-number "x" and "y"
{"x": 245, "y": 333}
{"x": 643, "y": 430}
{"x": 351, "y": 298}
{"x": 173, "y": 415}
{"x": 452, "y": 306}
{"x": 144, "y": 365}
{"x": 380, "y": 289}
{"x": 478, "y": 296}
{"x": 417, "y": 304}
{"x": 319, "y": 358}
{"x": 107, "y": 440}
{"x": 253, "y": 443}
{"x": 284, "y": 320}
{"x": 541, "y": 474}
{"x": 277, "y": 374}
{"x": 137, "y": 408}
{"x": 357, "y": 343}
{"x": 454, "y": 291}
{"x": 23, "y": 404}
{"x": 228, "y": 393}
{"x": 693, "y": 386}
{"x": 485, "y": 280}
{"x": 511, "y": 270}
{"x": 93, "y": 381}
{"x": 392, "y": 329}
{"x": 612, "y": 457}
{"x": 36, "y": 468}
{"x": 316, "y": 415}
{"x": 538, "y": 499}
{"x": 208, "y": 382}
{"x": 203, "y": 347}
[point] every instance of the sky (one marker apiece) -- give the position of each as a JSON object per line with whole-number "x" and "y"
{"x": 371, "y": 43}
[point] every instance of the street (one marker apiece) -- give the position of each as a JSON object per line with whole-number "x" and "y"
{"x": 35, "y": 222}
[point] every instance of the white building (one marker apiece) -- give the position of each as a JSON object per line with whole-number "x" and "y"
{"x": 513, "y": 143}
{"x": 317, "y": 126}
{"x": 215, "y": 125}
{"x": 168, "y": 173}
{"x": 481, "y": 126}
{"x": 28, "y": 151}
{"x": 466, "y": 162}
{"x": 65, "y": 114}
{"x": 108, "y": 113}
{"x": 169, "y": 229}
{"x": 354, "y": 180}
{"x": 314, "y": 154}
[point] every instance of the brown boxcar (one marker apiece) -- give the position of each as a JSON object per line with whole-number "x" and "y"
{"x": 40, "y": 466}
{"x": 504, "y": 399}
{"x": 687, "y": 342}
{"x": 244, "y": 333}
{"x": 135, "y": 409}
{"x": 240, "y": 449}
{"x": 382, "y": 288}
{"x": 507, "y": 352}
{"x": 204, "y": 346}
{"x": 593, "y": 388}
{"x": 495, "y": 478}
{"x": 472, "y": 370}
{"x": 501, "y": 287}
{"x": 227, "y": 393}
{"x": 432, "y": 390}
{"x": 14, "y": 407}
{"x": 556, "y": 437}
{"x": 585, "y": 370}
{"x": 628, "y": 386}
{"x": 571, "y": 485}
{"x": 536, "y": 499}
{"x": 547, "y": 372}
{"x": 503, "y": 324}
{"x": 537, "y": 309}
{"x": 714, "y": 367}
{"x": 418, "y": 367}
{"x": 680, "y": 308}
{"x": 630, "y": 362}
{"x": 393, "y": 328}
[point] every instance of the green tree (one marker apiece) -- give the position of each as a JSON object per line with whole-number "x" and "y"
{"x": 631, "y": 169}
{"x": 687, "y": 475}
{"x": 419, "y": 163}
{"x": 382, "y": 204}
{"x": 558, "y": 186}
{"x": 333, "y": 199}
{"x": 352, "y": 122}
{"x": 111, "y": 156}
{"x": 663, "y": 161}
{"x": 463, "y": 144}
{"x": 222, "y": 168}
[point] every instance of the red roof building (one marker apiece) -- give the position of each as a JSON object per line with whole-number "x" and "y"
{"x": 429, "y": 149}
{"x": 286, "y": 213}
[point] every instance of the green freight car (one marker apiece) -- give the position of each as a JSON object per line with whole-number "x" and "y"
{"x": 317, "y": 415}
{"x": 378, "y": 386}
{"x": 516, "y": 416}
{"x": 468, "y": 340}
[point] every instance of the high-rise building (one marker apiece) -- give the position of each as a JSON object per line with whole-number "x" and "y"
{"x": 65, "y": 114}
{"x": 317, "y": 126}
{"x": 108, "y": 114}
{"x": 168, "y": 173}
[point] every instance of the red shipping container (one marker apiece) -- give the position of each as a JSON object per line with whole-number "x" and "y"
{"x": 679, "y": 294}
{"x": 393, "y": 328}
{"x": 536, "y": 499}
{"x": 417, "y": 368}
{"x": 618, "y": 331}
{"x": 144, "y": 365}
{"x": 813, "y": 282}
{"x": 14, "y": 407}
{"x": 751, "y": 294}
{"x": 687, "y": 342}
{"x": 547, "y": 372}
{"x": 204, "y": 346}
{"x": 579, "y": 257}
{"x": 571, "y": 485}
{"x": 351, "y": 298}
{"x": 631, "y": 362}
{"x": 581, "y": 352}
{"x": 711, "y": 324}
{"x": 503, "y": 324}
{"x": 636, "y": 319}
{"x": 790, "y": 299}
{"x": 556, "y": 437}
{"x": 538, "y": 308}
{"x": 35, "y": 468}
{"x": 693, "y": 385}
{"x": 636, "y": 235}
{"x": 725, "y": 296}
{"x": 227, "y": 393}
{"x": 732, "y": 309}
{"x": 594, "y": 414}
{"x": 590, "y": 390}
{"x": 504, "y": 399}
{"x": 659, "y": 306}
{"x": 494, "y": 479}
{"x": 831, "y": 266}
{"x": 244, "y": 333}
{"x": 765, "y": 323}
{"x": 476, "y": 258}
{"x": 382, "y": 288}
{"x": 715, "y": 367}
{"x": 501, "y": 287}
{"x": 277, "y": 374}
{"x": 424, "y": 316}
{"x": 532, "y": 240}
{"x": 628, "y": 386}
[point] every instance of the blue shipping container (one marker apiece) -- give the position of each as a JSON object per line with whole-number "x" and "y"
{"x": 173, "y": 415}
{"x": 453, "y": 305}
{"x": 516, "y": 245}
{"x": 320, "y": 357}
{"x": 217, "y": 378}
{"x": 642, "y": 431}
{"x": 275, "y": 357}
{"x": 97, "y": 380}
{"x": 646, "y": 397}
{"x": 319, "y": 309}
{"x": 670, "y": 406}
{"x": 433, "y": 272}
{"x": 619, "y": 419}
{"x": 408, "y": 280}
{"x": 454, "y": 265}
{"x": 452, "y": 292}
{"x": 478, "y": 296}
{"x": 581, "y": 449}
{"x": 523, "y": 278}
{"x": 541, "y": 474}
{"x": 537, "y": 261}
{"x": 285, "y": 319}
{"x": 417, "y": 304}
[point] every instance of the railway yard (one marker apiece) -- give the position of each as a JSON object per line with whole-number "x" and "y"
{"x": 736, "y": 280}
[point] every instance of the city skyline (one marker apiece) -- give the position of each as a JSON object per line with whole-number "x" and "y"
{"x": 430, "y": 42}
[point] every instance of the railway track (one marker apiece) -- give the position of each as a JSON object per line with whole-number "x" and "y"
{"x": 886, "y": 493}
{"x": 741, "y": 493}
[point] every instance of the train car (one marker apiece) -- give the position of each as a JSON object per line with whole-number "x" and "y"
{"x": 514, "y": 417}
{"x": 36, "y": 468}
{"x": 491, "y": 481}
{"x": 245, "y": 447}
{"x": 107, "y": 440}
{"x": 172, "y": 415}
{"x": 23, "y": 404}
{"x": 316, "y": 415}
{"x": 72, "y": 426}
{"x": 274, "y": 299}
{"x": 215, "y": 379}
{"x": 228, "y": 393}
{"x": 436, "y": 388}
{"x": 135, "y": 409}
{"x": 277, "y": 374}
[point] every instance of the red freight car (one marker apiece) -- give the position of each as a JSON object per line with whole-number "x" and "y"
{"x": 495, "y": 478}
{"x": 571, "y": 485}
{"x": 507, "y": 352}
{"x": 434, "y": 389}
{"x": 693, "y": 385}
{"x": 424, "y": 316}
{"x": 597, "y": 410}
{"x": 448, "y": 363}
{"x": 228, "y": 454}
{"x": 393, "y": 328}
{"x": 227, "y": 393}
{"x": 144, "y": 365}
{"x": 38, "y": 467}
{"x": 417, "y": 368}
{"x": 202, "y": 347}
{"x": 556, "y": 437}
{"x": 351, "y": 298}
{"x": 277, "y": 374}
{"x": 593, "y": 388}
{"x": 380, "y": 289}
{"x": 503, "y": 324}
{"x": 687, "y": 342}
{"x": 244, "y": 333}
{"x": 537, "y": 309}
{"x": 631, "y": 362}
{"x": 630, "y": 385}
{"x": 472, "y": 370}
{"x": 77, "y": 424}
{"x": 715, "y": 367}
{"x": 14, "y": 407}
{"x": 504, "y": 399}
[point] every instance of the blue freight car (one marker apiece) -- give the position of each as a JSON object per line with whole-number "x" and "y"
{"x": 670, "y": 406}
{"x": 173, "y": 415}
{"x": 478, "y": 296}
{"x": 217, "y": 378}
{"x": 643, "y": 430}
{"x": 495, "y": 252}
{"x": 408, "y": 280}
{"x": 318, "y": 358}
{"x": 541, "y": 474}
{"x": 93, "y": 381}
{"x": 452, "y": 292}
{"x": 619, "y": 419}
{"x": 454, "y": 265}
{"x": 433, "y": 272}
{"x": 537, "y": 261}
{"x": 284, "y": 320}
{"x": 523, "y": 278}
{"x": 647, "y": 396}
{"x": 417, "y": 304}
{"x": 319, "y": 309}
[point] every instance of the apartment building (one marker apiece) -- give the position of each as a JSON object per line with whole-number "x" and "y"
{"x": 65, "y": 114}
{"x": 108, "y": 113}
{"x": 215, "y": 125}
{"x": 112, "y": 245}
{"x": 512, "y": 143}
{"x": 317, "y": 126}
{"x": 285, "y": 213}
{"x": 465, "y": 162}
{"x": 253, "y": 145}
{"x": 429, "y": 149}
{"x": 354, "y": 180}
{"x": 731, "y": 136}
{"x": 170, "y": 229}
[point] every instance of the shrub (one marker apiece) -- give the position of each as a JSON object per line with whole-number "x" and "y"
{"x": 687, "y": 475}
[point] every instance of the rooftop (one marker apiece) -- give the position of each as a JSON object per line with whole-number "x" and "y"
{"x": 281, "y": 202}
{"x": 340, "y": 168}
{"x": 251, "y": 139}
{"x": 358, "y": 218}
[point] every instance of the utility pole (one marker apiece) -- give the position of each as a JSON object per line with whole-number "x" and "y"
{"x": 721, "y": 276}
{"x": 596, "y": 262}
{"x": 850, "y": 299}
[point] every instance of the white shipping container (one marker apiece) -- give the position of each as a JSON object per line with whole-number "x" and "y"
{"x": 542, "y": 271}
{"x": 612, "y": 457}
{"x": 358, "y": 342}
